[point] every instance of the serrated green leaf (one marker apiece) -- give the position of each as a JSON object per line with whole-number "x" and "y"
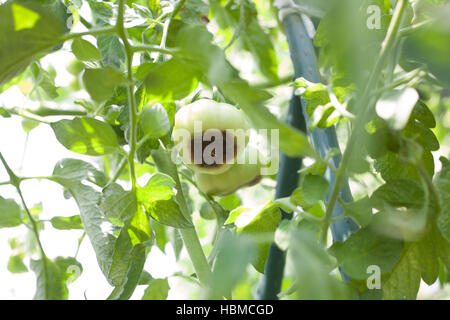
{"x": 101, "y": 82}
{"x": 282, "y": 236}
{"x": 154, "y": 121}
{"x": 71, "y": 171}
{"x": 442, "y": 183}
{"x": 171, "y": 80}
{"x": 206, "y": 211}
{"x": 230, "y": 202}
{"x": 234, "y": 255}
{"x": 168, "y": 213}
{"x": 260, "y": 222}
{"x": 145, "y": 278}
{"x": 161, "y": 235}
{"x": 391, "y": 167}
{"x": 131, "y": 280}
{"x": 360, "y": 211}
{"x": 50, "y": 285}
{"x": 70, "y": 267}
{"x": 16, "y": 265}
{"x": 431, "y": 45}
{"x": 423, "y": 114}
{"x": 365, "y": 248}
{"x": 158, "y": 289}
{"x": 26, "y": 30}
{"x": 314, "y": 188}
{"x": 159, "y": 187}
{"x": 398, "y": 193}
{"x": 111, "y": 49}
{"x": 428, "y": 255}
{"x": 96, "y": 225}
{"x": 404, "y": 281}
{"x": 194, "y": 12}
{"x": 86, "y": 136}
{"x": 28, "y": 125}
{"x": 261, "y": 47}
{"x": 9, "y": 213}
{"x": 422, "y": 135}
{"x": 118, "y": 203}
{"x": 312, "y": 266}
{"x": 85, "y": 51}
{"x": 66, "y": 223}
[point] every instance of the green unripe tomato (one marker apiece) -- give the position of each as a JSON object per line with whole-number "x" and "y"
{"x": 238, "y": 176}
{"x": 210, "y": 135}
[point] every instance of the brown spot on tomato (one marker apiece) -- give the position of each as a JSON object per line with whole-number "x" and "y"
{"x": 204, "y": 18}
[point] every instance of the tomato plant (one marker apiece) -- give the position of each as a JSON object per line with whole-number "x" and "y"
{"x": 313, "y": 161}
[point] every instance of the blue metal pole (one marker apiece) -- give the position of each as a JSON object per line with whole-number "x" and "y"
{"x": 305, "y": 65}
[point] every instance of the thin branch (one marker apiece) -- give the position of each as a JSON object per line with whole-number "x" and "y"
{"x": 119, "y": 170}
{"x": 85, "y": 22}
{"x": 79, "y": 244}
{"x": 364, "y": 104}
{"x": 414, "y": 28}
{"x": 271, "y": 84}
{"x": 15, "y": 181}
{"x": 27, "y": 115}
{"x": 48, "y": 112}
{"x": 406, "y": 79}
{"x": 130, "y": 92}
{"x": 240, "y": 27}
{"x": 92, "y": 32}
{"x": 190, "y": 238}
{"x": 153, "y": 48}
{"x": 175, "y": 11}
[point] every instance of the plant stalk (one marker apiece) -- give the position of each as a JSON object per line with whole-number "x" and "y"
{"x": 15, "y": 181}
{"x": 365, "y": 105}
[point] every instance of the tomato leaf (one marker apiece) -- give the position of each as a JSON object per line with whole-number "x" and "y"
{"x": 158, "y": 289}
{"x": 86, "y": 136}
{"x": 365, "y": 248}
{"x": 9, "y": 213}
{"x": 26, "y": 30}
{"x": 85, "y": 51}
{"x": 66, "y": 223}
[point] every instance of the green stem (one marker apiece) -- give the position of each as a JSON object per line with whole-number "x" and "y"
{"x": 364, "y": 104}
{"x": 429, "y": 183}
{"x": 79, "y": 244}
{"x": 86, "y": 23}
{"x": 36, "y": 178}
{"x": 240, "y": 28}
{"x": 220, "y": 219}
{"x": 415, "y": 28}
{"x": 177, "y": 8}
{"x": 92, "y": 32}
{"x": 153, "y": 48}
{"x": 165, "y": 165}
{"x": 196, "y": 254}
{"x": 407, "y": 78}
{"x": 27, "y": 115}
{"x": 48, "y": 112}
{"x": 119, "y": 170}
{"x": 130, "y": 92}
{"x": 15, "y": 181}
{"x": 189, "y": 235}
{"x": 166, "y": 27}
{"x": 270, "y": 84}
